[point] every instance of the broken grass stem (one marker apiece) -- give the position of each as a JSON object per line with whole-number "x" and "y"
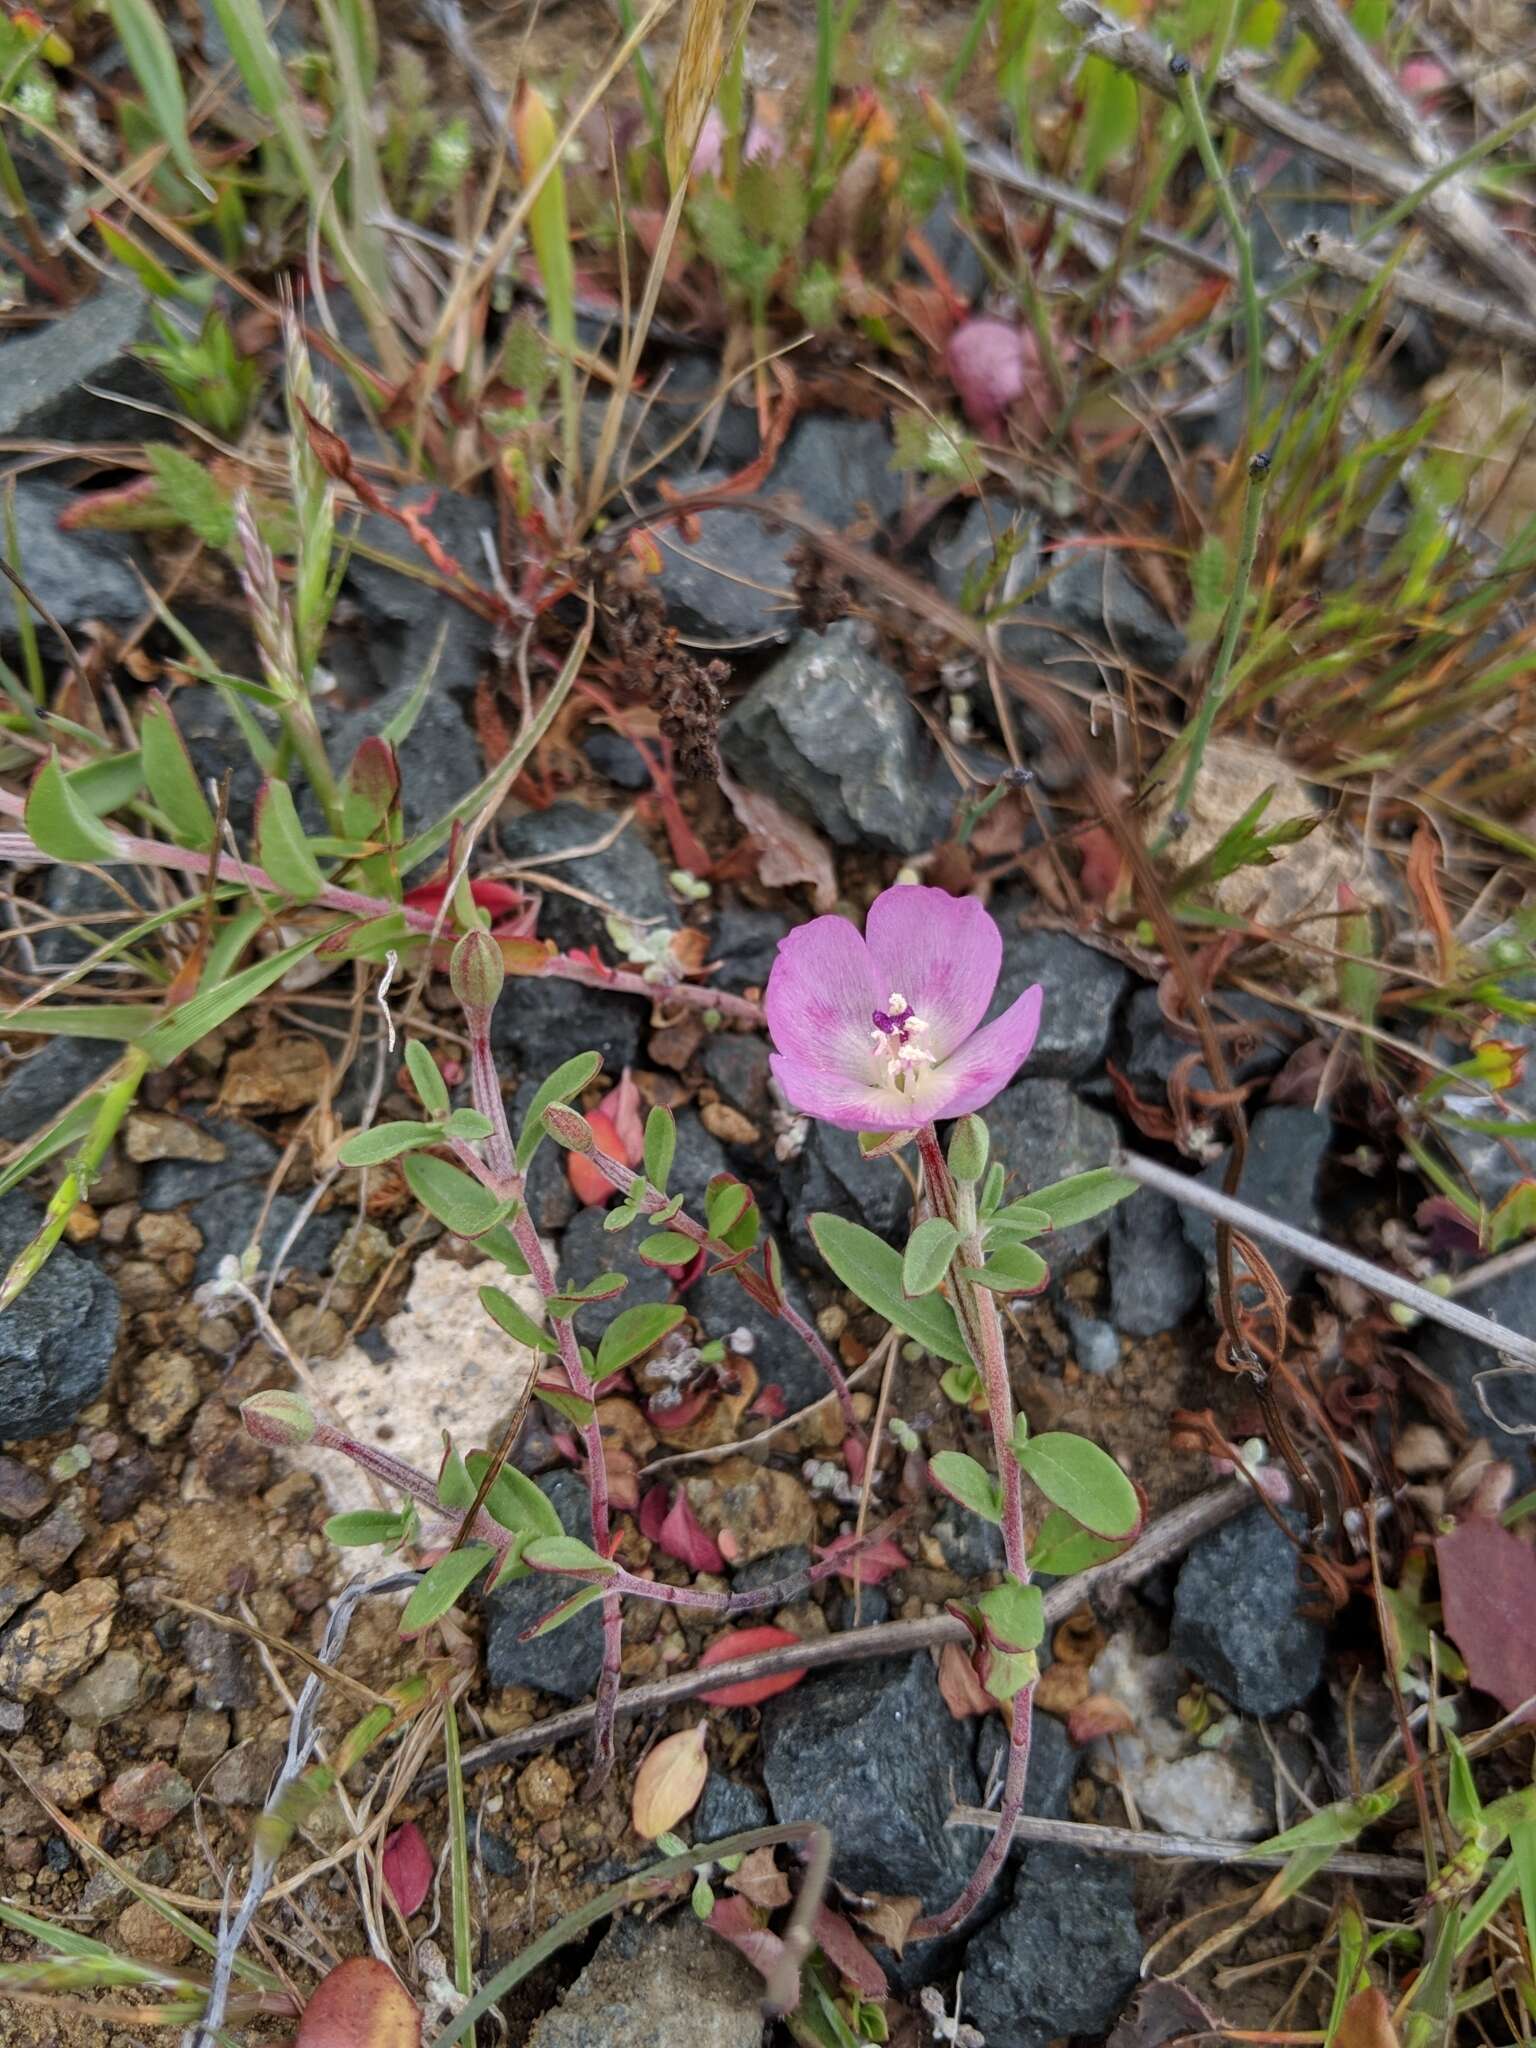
{"x": 1194, "y": 1194}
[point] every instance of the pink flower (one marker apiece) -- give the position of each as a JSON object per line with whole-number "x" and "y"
{"x": 992, "y": 366}
{"x": 879, "y": 1033}
{"x": 708, "y": 150}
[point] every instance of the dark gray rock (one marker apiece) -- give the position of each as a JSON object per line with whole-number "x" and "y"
{"x": 406, "y": 611}
{"x": 1083, "y": 988}
{"x": 653, "y": 1982}
{"x": 1458, "y": 1360}
{"x": 100, "y": 906}
{"x": 227, "y": 1676}
{"x": 745, "y": 942}
{"x": 551, "y": 1199}
{"x": 722, "y": 1305}
{"x": 587, "y": 1250}
{"x": 1236, "y": 1618}
{"x": 567, "y": 1661}
{"x": 1151, "y": 1051}
{"x": 1053, "y": 1766}
{"x": 36, "y": 1089}
{"x": 829, "y": 732}
{"x": 784, "y": 1567}
{"x": 1286, "y": 1150}
{"x": 727, "y": 1808}
{"x": 1155, "y": 1276}
{"x": 1094, "y": 1344}
{"x": 42, "y": 372}
{"x": 1042, "y": 1133}
{"x": 78, "y": 576}
{"x": 616, "y": 758}
{"x": 229, "y": 1196}
{"x": 946, "y": 236}
{"x": 218, "y": 747}
{"x": 695, "y": 1163}
{"x": 734, "y": 581}
{"x": 874, "y": 1753}
{"x": 1062, "y": 1959}
{"x": 538, "y": 1025}
{"x": 736, "y": 1063}
{"x": 57, "y": 1337}
{"x": 626, "y": 876}
{"x": 972, "y": 1547}
{"x": 830, "y": 1173}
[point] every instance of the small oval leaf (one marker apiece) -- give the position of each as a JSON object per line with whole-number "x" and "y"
{"x": 670, "y": 1782}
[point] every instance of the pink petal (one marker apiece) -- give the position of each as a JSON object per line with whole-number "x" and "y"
{"x": 820, "y": 998}
{"x": 989, "y": 364}
{"x": 985, "y": 1064}
{"x": 942, "y": 953}
{"x": 814, "y": 1090}
{"x": 707, "y": 151}
{"x": 407, "y": 1866}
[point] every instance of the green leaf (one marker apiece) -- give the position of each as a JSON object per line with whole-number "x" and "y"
{"x": 1083, "y": 1195}
{"x": 430, "y": 1085}
{"x": 60, "y": 823}
{"x": 385, "y": 1141}
{"x": 926, "y": 1259}
{"x": 633, "y": 1331}
{"x": 1063, "y": 1547}
{"x": 660, "y": 1147}
{"x": 105, "y": 784}
{"x": 119, "y": 1021}
{"x": 869, "y": 1266}
{"x": 456, "y": 1200}
{"x": 281, "y": 847}
{"x": 1018, "y": 1220}
{"x": 367, "y": 1525}
{"x": 518, "y": 1325}
{"x": 499, "y": 1244}
{"x": 514, "y": 1500}
{"x": 1077, "y": 1476}
{"x": 667, "y": 1248}
{"x": 967, "y": 1482}
{"x": 192, "y": 497}
{"x": 209, "y": 1008}
{"x": 1010, "y": 1269}
{"x": 443, "y": 1585}
{"x": 148, "y": 50}
{"x": 455, "y": 1488}
{"x": 561, "y": 1085}
{"x": 565, "y": 1554}
{"x": 566, "y": 1611}
{"x": 1015, "y": 1614}
{"x": 724, "y": 1206}
{"x": 573, "y": 1407}
{"x": 172, "y": 779}
{"x": 467, "y": 1123}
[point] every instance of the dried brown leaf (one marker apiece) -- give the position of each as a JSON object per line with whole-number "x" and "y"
{"x": 788, "y": 852}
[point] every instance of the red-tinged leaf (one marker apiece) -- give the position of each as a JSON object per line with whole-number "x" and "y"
{"x": 407, "y": 1867}
{"x": 770, "y": 1403}
{"x": 684, "y": 1537}
{"x": 1100, "y": 870}
{"x": 1366, "y": 2022}
{"x": 1423, "y": 877}
{"x": 854, "y": 1457}
{"x": 1099, "y": 1715}
{"x": 739, "y": 1923}
{"x": 590, "y": 1185}
{"x": 747, "y": 1642}
{"x": 873, "y": 1562}
{"x": 653, "y": 1512}
{"x": 848, "y": 1955}
{"x": 760, "y": 1879}
{"x": 621, "y": 1106}
{"x": 959, "y": 1687}
{"x": 512, "y": 912}
{"x": 1488, "y": 1593}
{"x": 361, "y": 2004}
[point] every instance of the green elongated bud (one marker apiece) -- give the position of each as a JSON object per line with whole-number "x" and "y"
{"x": 476, "y": 971}
{"x": 968, "y": 1147}
{"x": 282, "y": 1419}
{"x": 568, "y": 1127}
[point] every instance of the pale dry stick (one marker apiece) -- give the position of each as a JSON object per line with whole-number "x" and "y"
{"x": 1328, "y": 1258}
{"x": 1168, "y": 1537}
{"x": 1176, "y": 1848}
{"x": 1232, "y": 99}
{"x": 1483, "y": 317}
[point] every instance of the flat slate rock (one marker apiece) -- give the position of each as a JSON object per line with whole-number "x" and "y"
{"x": 1062, "y": 1958}
{"x": 1237, "y": 1620}
{"x": 58, "y": 1335}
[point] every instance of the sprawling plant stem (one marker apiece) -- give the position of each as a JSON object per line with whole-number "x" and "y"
{"x": 981, "y": 1326}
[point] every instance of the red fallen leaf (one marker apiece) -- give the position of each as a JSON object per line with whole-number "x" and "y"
{"x": 1099, "y": 1714}
{"x": 653, "y": 1512}
{"x": 746, "y": 1642}
{"x": 854, "y": 1459}
{"x": 739, "y": 1923}
{"x": 512, "y": 911}
{"x": 591, "y": 1186}
{"x": 959, "y": 1687}
{"x": 770, "y": 1403}
{"x": 361, "y": 2004}
{"x": 408, "y": 1868}
{"x": 1100, "y": 869}
{"x": 684, "y": 1537}
{"x": 1488, "y": 1592}
{"x": 848, "y": 1955}
{"x": 621, "y": 1106}
{"x": 876, "y": 1561}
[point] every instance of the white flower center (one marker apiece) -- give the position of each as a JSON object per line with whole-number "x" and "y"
{"x": 895, "y": 1035}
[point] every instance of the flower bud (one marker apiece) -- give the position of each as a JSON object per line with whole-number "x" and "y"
{"x": 568, "y": 1127}
{"x": 476, "y": 971}
{"x": 968, "y": 1146}
{"x": 281, "y": 1419}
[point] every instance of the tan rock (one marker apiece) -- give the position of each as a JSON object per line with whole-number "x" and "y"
{"x": 728, "y": 1124}
{"x": 277, "y": 1074}
{"x": 57, "y": 1639}
{"x": 752, "y": 1509}
{"x": 150, "y": 1937}
{"x": 150, "y": 1134}
{"x": 544, "y": 1789}
{"x": 165, "y": 1392}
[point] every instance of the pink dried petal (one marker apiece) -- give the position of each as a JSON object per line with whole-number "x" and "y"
{"x": 407, "y": 1867}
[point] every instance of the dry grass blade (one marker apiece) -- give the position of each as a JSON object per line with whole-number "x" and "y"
{"x": 693, "y": 84}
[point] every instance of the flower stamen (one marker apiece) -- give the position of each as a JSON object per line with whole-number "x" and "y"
{"x": 896, "y": 1028}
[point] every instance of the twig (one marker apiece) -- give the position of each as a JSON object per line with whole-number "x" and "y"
{"x": 1194, "y": 1194}
{"x": 1105, "y": 1841}
{"x": 1233, "y": 99}
{"x": 1165, "y": 1538}
{"x": 1482, "y": 316}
